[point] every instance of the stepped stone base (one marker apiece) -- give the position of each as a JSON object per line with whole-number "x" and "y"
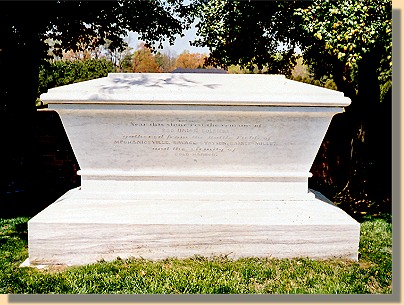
{"x": 79, "y": 229}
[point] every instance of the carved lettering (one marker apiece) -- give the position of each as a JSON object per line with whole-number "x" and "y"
{"x": 198, "y": 139}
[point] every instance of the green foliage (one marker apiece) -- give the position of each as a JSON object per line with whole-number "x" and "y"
{"x": 64, "y": 72}
{"x": 350, "y": 41}
{"x": 301, "y": 73}
{"x": 384, "y": 89}
{"x": 76, "y": 26}
{"x": 248, "y": 33}
{"x": 13, "y": 249}
{"x": 350, "y": 29}
{"x": 376, "y": 243}
{"x": 200, "y": 275}
{"x": 92, "y": 24}
{"x": 165, "y": 62}
{"x": 347, "y": 46}
{"x": 335, "y": 37}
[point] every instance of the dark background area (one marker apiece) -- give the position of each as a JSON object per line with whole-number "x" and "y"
{"x": 37, "y": 170}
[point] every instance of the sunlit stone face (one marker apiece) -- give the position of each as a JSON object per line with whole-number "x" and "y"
{"x": 211, "y": 139}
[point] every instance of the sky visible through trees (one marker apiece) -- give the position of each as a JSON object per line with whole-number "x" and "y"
{"x": 181, "y": 44}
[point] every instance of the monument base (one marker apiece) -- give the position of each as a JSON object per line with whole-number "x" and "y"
{"x": 78, "y": 229}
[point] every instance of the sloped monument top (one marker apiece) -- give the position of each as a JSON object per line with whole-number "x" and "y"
{"x": 192, "y": 88}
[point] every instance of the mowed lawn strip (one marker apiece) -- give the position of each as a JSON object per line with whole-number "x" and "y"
{"x": 200, "y": 275}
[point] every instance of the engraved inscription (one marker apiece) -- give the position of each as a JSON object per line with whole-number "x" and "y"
{"x": 185, "y": 138}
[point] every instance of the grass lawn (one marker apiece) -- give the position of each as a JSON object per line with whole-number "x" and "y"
{"x": 372, "y": 274}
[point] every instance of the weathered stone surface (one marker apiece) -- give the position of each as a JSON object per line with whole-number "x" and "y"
{"x": 77, "y": 230}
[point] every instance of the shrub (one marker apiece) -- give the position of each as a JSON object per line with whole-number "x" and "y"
{"x": 64, "y": 72}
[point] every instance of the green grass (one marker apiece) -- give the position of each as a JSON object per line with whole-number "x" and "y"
{"x": 199, "y": 275}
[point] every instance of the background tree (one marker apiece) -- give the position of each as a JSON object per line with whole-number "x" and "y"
{"x": 74, "y": 25}
{"x": 346, "y": 41}
{"x": 143, "y": 60}
{"x": 24, "y": 27}
{"x": 249, "y": 34}
{"x": 187, "y": 60}
{"x": 351, "y": 42}
{"x": 166, "y": 61}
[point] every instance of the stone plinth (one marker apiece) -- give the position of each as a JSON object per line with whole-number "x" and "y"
{"x": 186, "y": 164}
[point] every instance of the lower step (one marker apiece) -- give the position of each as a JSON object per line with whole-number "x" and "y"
{"x": 76, "y": 230}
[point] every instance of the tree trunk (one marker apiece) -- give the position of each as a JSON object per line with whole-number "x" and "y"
{"x": 19, "y": 67}
{"x": 369, "y": 184}
{"x": 353, "y": 165}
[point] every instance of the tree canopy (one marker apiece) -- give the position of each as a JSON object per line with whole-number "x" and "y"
{"x": 73, "y": 25}
{"x": 335, "y": 37}
{"x": 351, "y": 29}
{"x": 249, "y": 33}
{"x": 353, "y": 37}
{"x": 349, "y": 42}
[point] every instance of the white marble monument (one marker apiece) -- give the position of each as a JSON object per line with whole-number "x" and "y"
{"x": 174, "y": 165}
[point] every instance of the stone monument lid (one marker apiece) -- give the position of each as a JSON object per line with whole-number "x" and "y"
{"x": 195, "y": 89}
